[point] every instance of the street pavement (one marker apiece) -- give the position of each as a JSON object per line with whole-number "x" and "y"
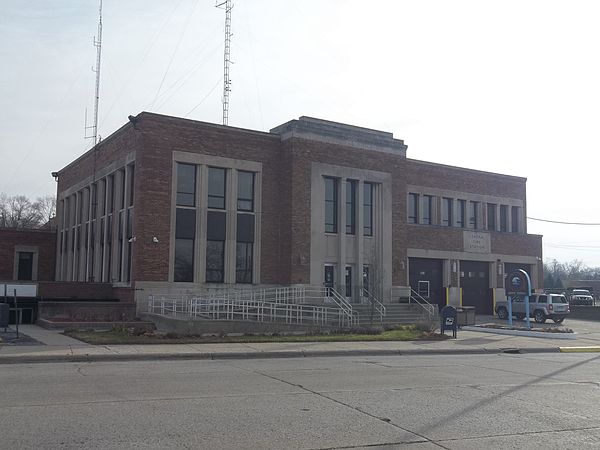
{"x": 51, "y": 346}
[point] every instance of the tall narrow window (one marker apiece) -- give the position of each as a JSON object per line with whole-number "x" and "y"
{"x": 350, "y": 207}
{"x": 331, "y": 212}
{"x": 185, "y": 233}
{"x": 131, "y": 184}
{"x": 216, "y": 188}
{"x": 515, "y": 219}
{"x": 447, "y": 212}
{"x": 25, "y": 267}
{"x": 245, "y": 197}
{"x": 215, "y": 247}
{"x": 461, "y": 213}
{"x": 491, "y": 216}
{"x": 413, "y": 208}
{"x": 503, "y": 218}
{"x": 473, "y": 215}
{"x": 426, "y": 215}
{"x": 186, "y": 184}
{"x": 244, "y": 248}
{"x": 368, "y": 209}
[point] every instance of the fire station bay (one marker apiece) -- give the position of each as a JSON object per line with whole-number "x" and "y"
{"x": 168, "y": 205}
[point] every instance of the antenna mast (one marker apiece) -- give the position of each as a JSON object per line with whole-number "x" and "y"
{"x": 226, "y": 60}
{"x": 98, "y": 45}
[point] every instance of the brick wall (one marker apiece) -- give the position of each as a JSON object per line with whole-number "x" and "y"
{"x": 43, "y": 239}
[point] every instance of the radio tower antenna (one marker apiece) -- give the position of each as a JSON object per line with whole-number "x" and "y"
{"x": 98, "y": 45}
{"x": 227, "y": 5}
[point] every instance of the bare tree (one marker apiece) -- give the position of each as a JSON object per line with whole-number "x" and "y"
{"x": 18, "y": 211}
{"x": 46, "y": 207}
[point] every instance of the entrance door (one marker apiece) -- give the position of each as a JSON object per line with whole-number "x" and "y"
{"x": 348, "y": 281}
{"x": 426, "y": 278}
{"x": 475, "y": 284}
{"x": 329, "y": 279}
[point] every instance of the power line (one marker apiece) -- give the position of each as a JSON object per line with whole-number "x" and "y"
{"x": 564, "y": 223}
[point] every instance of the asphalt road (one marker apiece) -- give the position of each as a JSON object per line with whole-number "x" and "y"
{"x": 466, "y": 402}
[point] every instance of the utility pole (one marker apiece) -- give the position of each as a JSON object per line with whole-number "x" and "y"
{"x": 227, "y": 5}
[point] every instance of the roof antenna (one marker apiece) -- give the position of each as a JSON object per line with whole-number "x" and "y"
{"x": 227, "y": 5}
{"x": 98, "y": 45}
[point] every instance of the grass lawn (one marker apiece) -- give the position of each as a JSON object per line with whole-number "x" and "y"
{"x": 123, "y": 336}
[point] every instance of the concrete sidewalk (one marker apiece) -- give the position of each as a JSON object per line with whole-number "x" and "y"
{"x": 55, "y": 347}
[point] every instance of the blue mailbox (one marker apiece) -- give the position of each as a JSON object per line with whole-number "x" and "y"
{"x": 449, "y": 320}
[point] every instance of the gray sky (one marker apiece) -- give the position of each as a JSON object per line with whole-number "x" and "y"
{"x": 510, "y": 87}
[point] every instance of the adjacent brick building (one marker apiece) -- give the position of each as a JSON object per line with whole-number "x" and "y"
{"x": 170, "y": 205}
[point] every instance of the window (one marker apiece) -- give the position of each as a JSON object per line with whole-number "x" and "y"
{"x": 215, "y": 246}
{"x": 122, "y": 186}
{"x": 216, "y": 188}
{"x": 110, "y": 183}
{"x": 503, "y": 218}
{"x": 473, "y": 215}
{"x": 491, "y": 216}
{"x": 185, "y": 232}
{"x": 368, "y": 209}
{"x": 515, "y": 219}
{"x": 215, "y": 261}
{"x": 245, "y": 196}
{"x": 244, "y": 248}
{"x": 427, "y": 202}
{"x": 460, "y": 213}
{"x": 350, "y": 206}
{"x": 25, "y": 268}
{"x": 131, "y": 184}
{"x": 331, "y": 205}
{"x": 542, "y": 299}
{"x": 186, "y": 184}
{"x": 447, "y": 212}
{"x": 413, "y": 208}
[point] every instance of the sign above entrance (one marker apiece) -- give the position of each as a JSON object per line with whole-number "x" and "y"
{"x": 476, "y": 242}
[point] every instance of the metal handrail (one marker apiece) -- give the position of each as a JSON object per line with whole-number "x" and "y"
{"x": 351, "y": 315}
{"x": 230, "y": 309}
{"x": 379, "y": 307}
{"x": 428, "y": 307}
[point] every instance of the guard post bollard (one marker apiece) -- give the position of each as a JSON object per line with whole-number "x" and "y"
{"x": 448, "y": 320}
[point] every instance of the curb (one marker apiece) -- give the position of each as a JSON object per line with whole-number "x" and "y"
{"x": 25, "y": 359}
{"x": 590, "y": 349}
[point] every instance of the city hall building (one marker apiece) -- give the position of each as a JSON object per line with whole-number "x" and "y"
{"x": 174, "y": 206}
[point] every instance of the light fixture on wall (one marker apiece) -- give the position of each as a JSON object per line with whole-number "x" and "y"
{"x": 132, "y": 239}
{"x": 499, "y": 265}
{"x": 453, "y": 266}
{"x": 155, "y": 239}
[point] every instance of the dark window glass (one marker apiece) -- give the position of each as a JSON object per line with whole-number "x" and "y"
{"x": 79, "y": 207}
{"x": 503, "y": 218}
{"x": 350, "y": 207}
{"x": 185, "y": 223}
{"x": 216, "y": 188}
{"x": 110, "y": 188}
{"x": 122, "y": 193}
{"x": 245, "y": 196}
{"x": 243, "y": 262}
{"x": 427, "y": 209}
{"x": 25, "y": 269}
{"x": 131, "y": 184}
{"x": 368, "y": 209}
{"x": 215, "y": 226}
{"x": 86, "y": 201}
{"x": 120, "y": 235}
{"x": 542, "y": 299}
{"x": 186, "y": 184}
{"x": 491, "y": 216}
{"x": 215, "y": 261}
{"x": 366, "y": 277}
{"x": 515, "y": 219}
{"x": 413, "y": 208}
{"x": 94, "y": 202}
{"x": 106, "y": 276}
{"x": 473, "y": 215}
{"x": 331, "y": 205}
{"x": 184, "y": 260}
{"x": 245, "y": 228}
{"x": 129, "y": 243}
{"x": 102, "y": 189}
{"x": 447, "y": 212}
{"x": 460, "y": 213}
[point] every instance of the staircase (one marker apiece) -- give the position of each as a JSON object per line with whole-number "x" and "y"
{"x": 396, "y": 313}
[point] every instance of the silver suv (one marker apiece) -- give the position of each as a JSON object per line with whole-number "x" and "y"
{"x": 541, "y": 308}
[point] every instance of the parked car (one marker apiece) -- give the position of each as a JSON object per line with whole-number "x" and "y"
{"x": 541, "y": 308}
{"x": 581, "y": 297}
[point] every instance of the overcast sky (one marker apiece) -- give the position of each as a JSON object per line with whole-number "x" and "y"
{"x": 504, "y": 86}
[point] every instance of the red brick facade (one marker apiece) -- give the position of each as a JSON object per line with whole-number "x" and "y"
{"x": 42, "y": 240}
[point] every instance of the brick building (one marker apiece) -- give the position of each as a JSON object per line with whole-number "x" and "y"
{"x": 170, "y": 205}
